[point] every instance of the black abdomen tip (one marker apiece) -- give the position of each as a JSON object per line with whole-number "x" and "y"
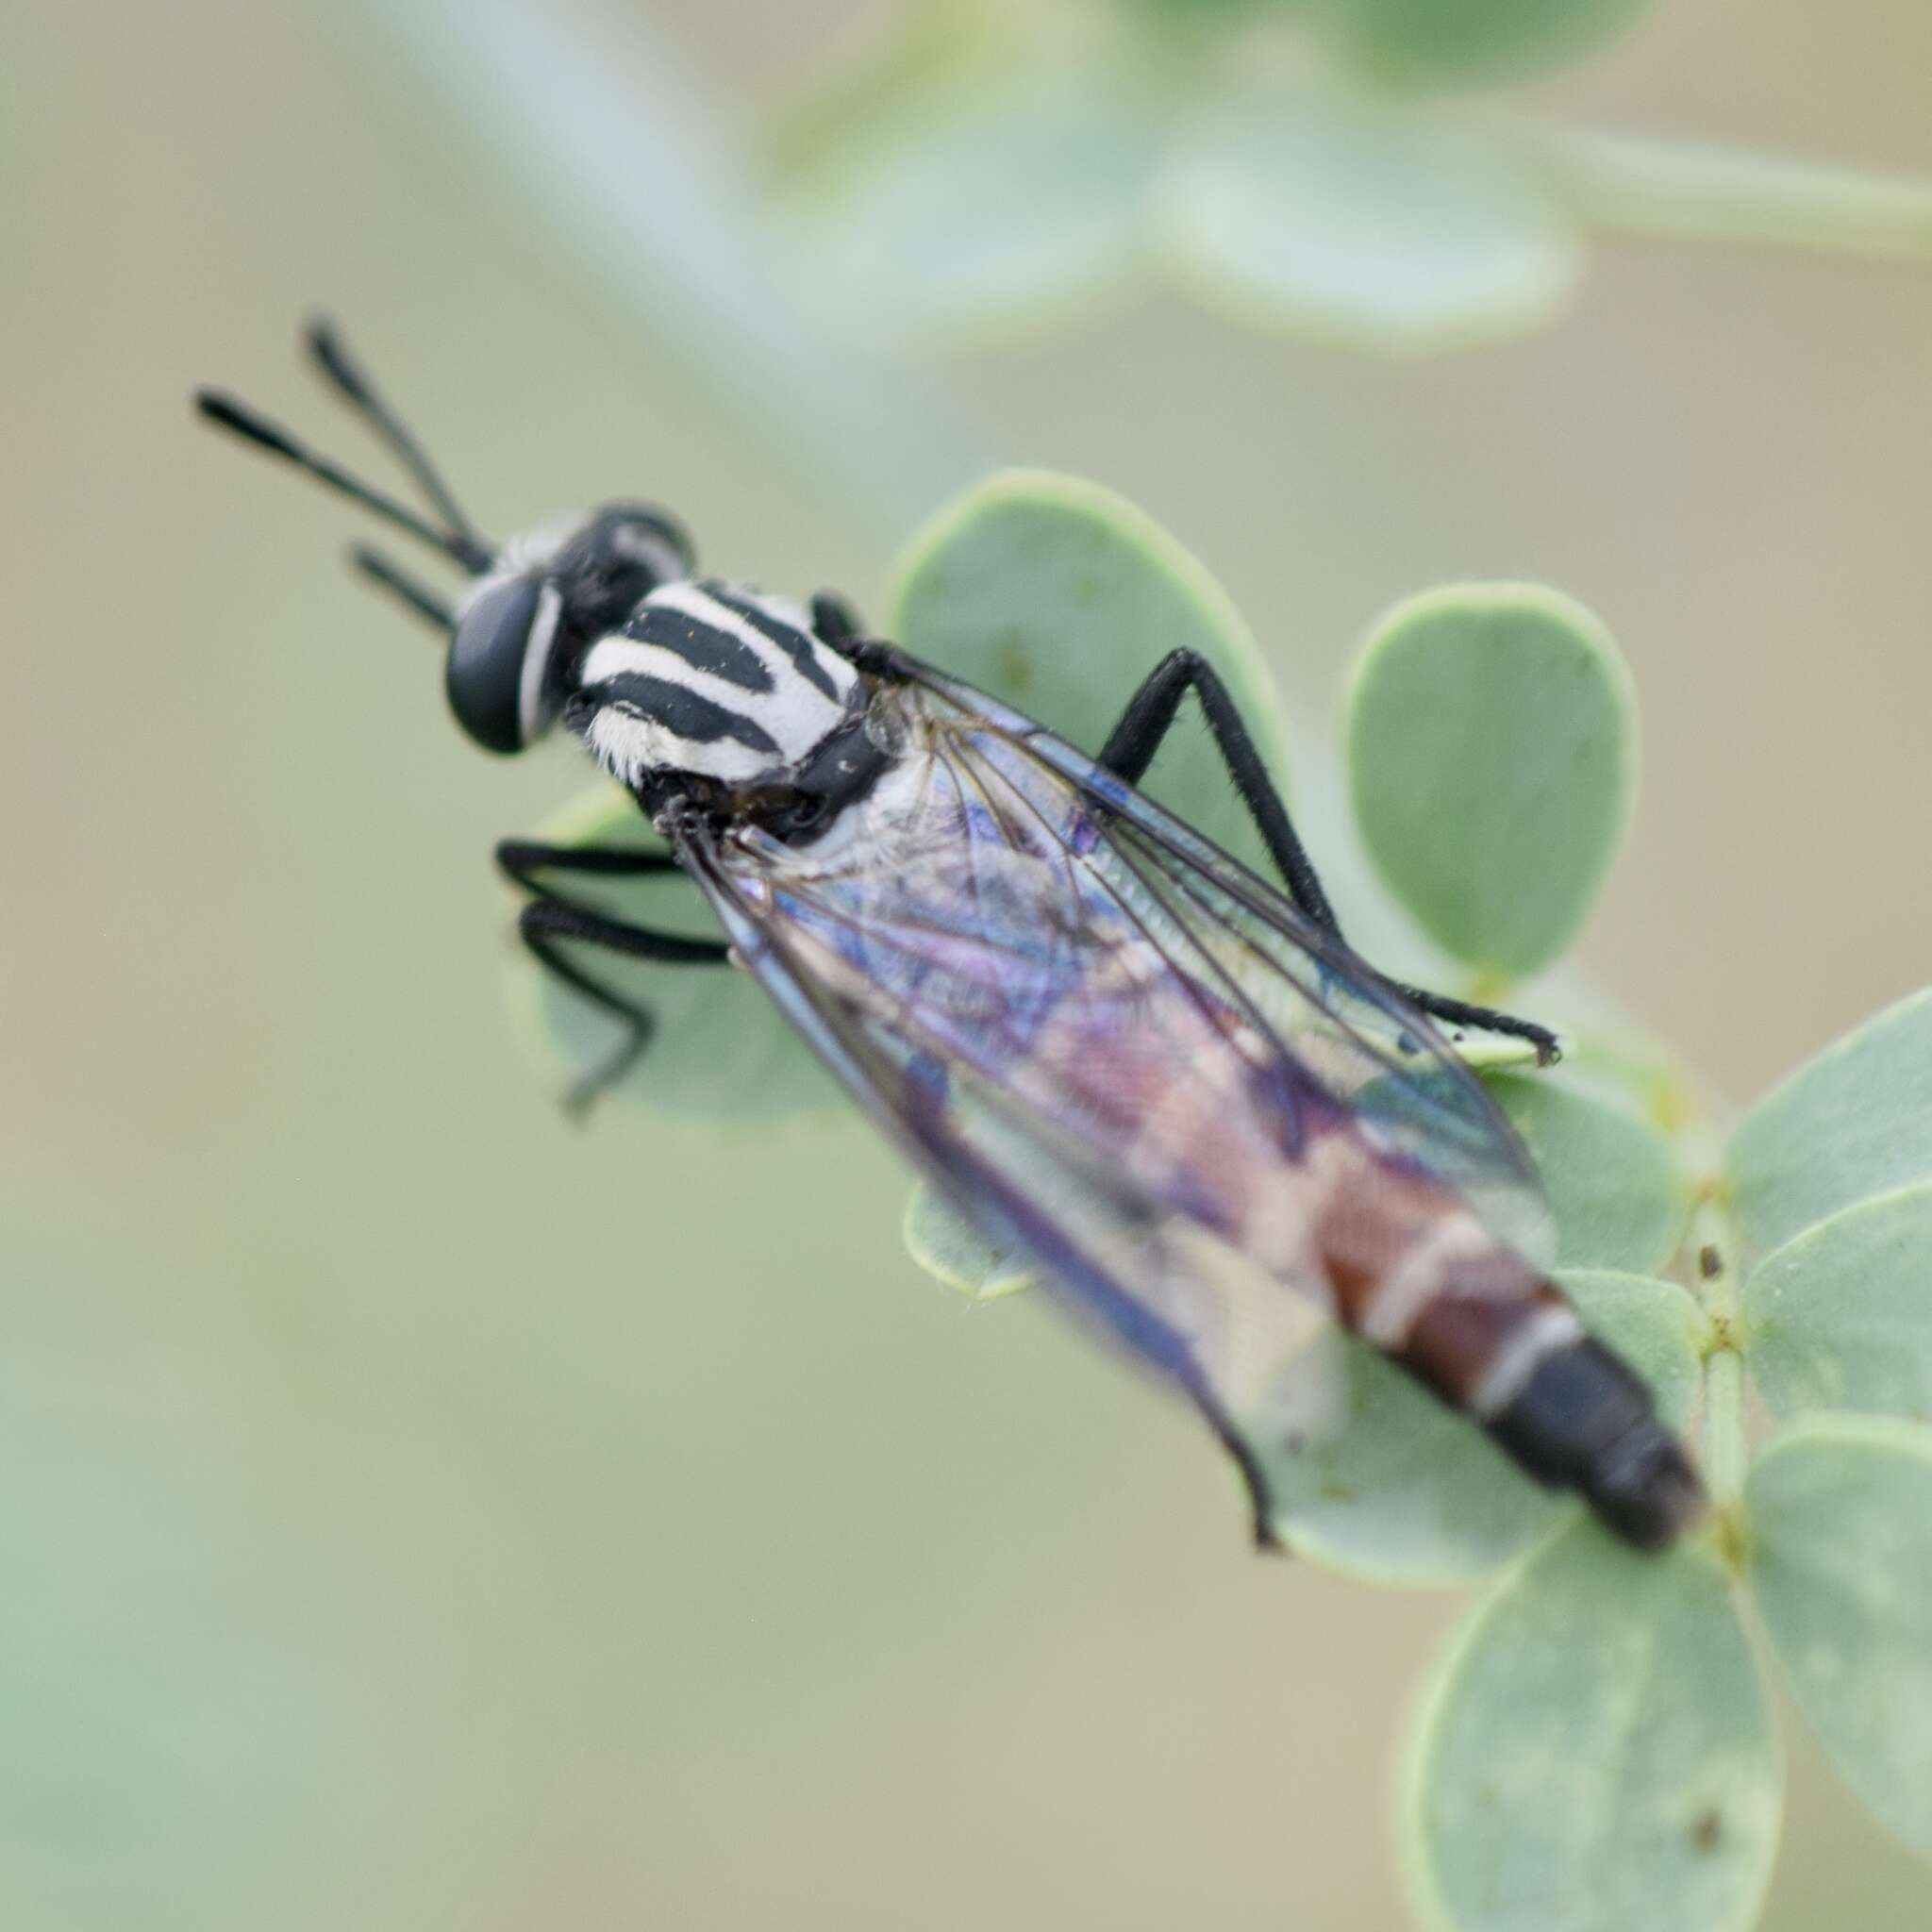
{"x": 1583, "y": 1421}
{"x": 1644, "y": 1489}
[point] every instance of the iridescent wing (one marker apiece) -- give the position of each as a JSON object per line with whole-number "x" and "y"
{"x": 1111, "y": 1046}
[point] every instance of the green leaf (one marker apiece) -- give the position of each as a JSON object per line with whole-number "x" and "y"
{"x": 1192, "y": 17}
{"x": 1059, "y": 597}
{"x": 1854, "y": 1123}
{"x": 1840, "y": 1317}
{"x": 1596, "y": 1754}
{"x": 1360, "y": 224}
{"x": 1397, "y": 1488}
{"x": 722, "y": 1051}
{"x": 1472, "y": 39}
{"x": 952, "y": 1251}
{"x": 1841, "y": 1542}
{"x": 967, "y": 206}
{"x": 1492, "y": 738}
{"x": 1620, "y": 1197}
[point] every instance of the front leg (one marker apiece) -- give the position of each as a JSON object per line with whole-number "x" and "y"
{"x": 1142, "y": 728}
{"x": 553, "y": 921}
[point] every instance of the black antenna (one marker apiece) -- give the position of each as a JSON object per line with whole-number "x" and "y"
{"x": 399, "y": 584}
{"x": 237, "y": 418}
{"x": 351, "y": 381}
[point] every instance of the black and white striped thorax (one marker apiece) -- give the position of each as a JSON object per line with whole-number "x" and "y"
{"x": 717, "y": 682}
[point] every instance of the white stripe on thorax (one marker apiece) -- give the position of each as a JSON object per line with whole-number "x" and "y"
{"x": 618, "y": 655}
{"x": 627, "y": 746}
{"x": 702, "y": 607}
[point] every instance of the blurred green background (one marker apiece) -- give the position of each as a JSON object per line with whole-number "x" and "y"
{"x": 418, "y": 1513}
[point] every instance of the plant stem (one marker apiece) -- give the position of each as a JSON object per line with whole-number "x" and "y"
{"x": 1695, "y": 190}
{"x": 1714, "y": 1234}
{"x": 1709, "y": 1257}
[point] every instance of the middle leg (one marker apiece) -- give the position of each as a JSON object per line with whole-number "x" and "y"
{"x": 1130, "y": 749}
{"x": 553, "y": 921}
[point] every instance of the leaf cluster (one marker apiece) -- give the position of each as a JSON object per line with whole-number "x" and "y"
{"x": 1295, "y": 164}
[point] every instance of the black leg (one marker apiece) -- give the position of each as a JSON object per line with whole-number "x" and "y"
{"x": 521, "y": 859}
{"x": 553, "y": 921}
{"x": 1485, "y": 1019}
{"x": 1130, "y": 748}
{"x": 1147, "y": 720}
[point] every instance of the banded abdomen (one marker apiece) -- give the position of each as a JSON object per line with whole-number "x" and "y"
{"x": 1415, "y": 1274}
{"x": 1293, "y": 1178}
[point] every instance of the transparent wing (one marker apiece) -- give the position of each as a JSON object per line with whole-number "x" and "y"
{"x": 1316, "y": 1003}
{"x": 1112, "y": 1049}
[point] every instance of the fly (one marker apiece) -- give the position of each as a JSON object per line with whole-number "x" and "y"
{"x": 1112, "y": 1047}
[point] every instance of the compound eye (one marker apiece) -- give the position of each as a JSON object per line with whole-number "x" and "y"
{"x": 492, "y": 684}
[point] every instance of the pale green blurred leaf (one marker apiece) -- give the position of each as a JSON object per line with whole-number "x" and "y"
{"x": 1596, "y": 1754}
{"x": 1492, "y": 738}
{"x": 1060, "y": 597}
{"x": 953, "y": 1251}
{"x": 1397, "y": 1488}
{"x": 201, "y": 1651}
{"x": 959, "y": 207}
{"x": 1617, "y": 1189}
{"x": 1840, "y": 1540}
{"x": 1208, "y": 16}
{"x": 1472, "y": 39}
{"x": 1841, "y": 1316}
{"x": 1361, "y": 225}
{"x": 592, "y": 127}
{"x": 722, "y": 1051}
{"x": 1853, "y": 1123}
{"x": 920, "y": 50}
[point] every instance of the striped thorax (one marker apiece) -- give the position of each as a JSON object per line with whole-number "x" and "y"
{"x": 715, "y": 683}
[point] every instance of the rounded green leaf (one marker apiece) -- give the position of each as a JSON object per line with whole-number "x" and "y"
{"x": 960, "y": 208}
{"x": 722, "y": 1051}
{"x": 1840, "y": 1317}
{"x": 1854, "y": 1123}
{"x": 1472, "y": 39}
{"x": 1596, "y": 1754}
{"x": 1397, "y": 1488}
{"x": 1492, "y": 736}
{"x": 1361, "y": 225}
{"x": 1619, "y": 1194}
{"x": 951, "y": 1250}
{"x": 1060, "y": 597}
{"x": 1841, "y": 1542}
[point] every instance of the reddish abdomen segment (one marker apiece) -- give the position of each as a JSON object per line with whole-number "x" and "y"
{"x": 1416, "y": 1274}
